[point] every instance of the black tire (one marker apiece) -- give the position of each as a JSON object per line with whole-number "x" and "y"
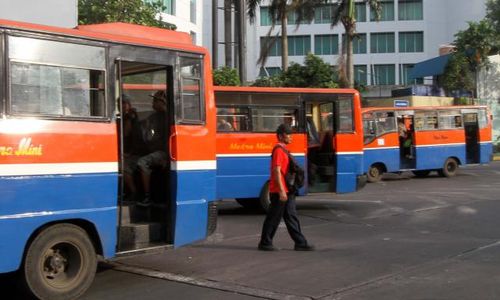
{"x": 212, "y": 218}
{"x": 374, "y": 173}
{"x": 60, "y": 263}
{"x": 265, "y": 199}
{"x": 450, "y": 168}
{"x": 421, "y": 173}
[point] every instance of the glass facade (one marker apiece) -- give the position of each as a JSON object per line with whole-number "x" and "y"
{"x": 382, "y": 42}
{"x": 360, "y": 12}
{"x": 323, "y": 15}
{"x": 359, "y": 43}
{"x": 410, "y": 10}
{"x": 326, "y": 44}
{"x": 387, "y": 11}
{"x": 411, "y": 41}
{"x": 384, "y": 75}
{"x": 361, "y": 74}
{"x": 299, "y": 45}
{"x": 274, "y": 48}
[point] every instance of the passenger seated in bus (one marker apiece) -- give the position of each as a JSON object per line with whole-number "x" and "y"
{"x": 223, "y": 124}
{"x": 133, "y": 145}
{"x": 154, "y": 133}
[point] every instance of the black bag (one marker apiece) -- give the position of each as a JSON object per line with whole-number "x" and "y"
{"x": 295, "y": 177}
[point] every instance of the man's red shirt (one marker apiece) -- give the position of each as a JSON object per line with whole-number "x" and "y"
{"x": 279, "y": 158}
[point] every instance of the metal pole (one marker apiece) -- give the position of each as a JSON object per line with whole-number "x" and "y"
{"x": 215, "y": 34}
{"x": 227, "y": 33}
{"x": 242, "y": 45}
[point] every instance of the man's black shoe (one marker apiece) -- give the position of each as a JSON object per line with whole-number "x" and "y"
{"x": 266, "y": 247}
{"x": 305, "y": 247}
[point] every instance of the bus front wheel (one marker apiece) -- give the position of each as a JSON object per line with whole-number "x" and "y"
{"x": 449, "y": 169}
{"x": 60, "y": 263}
{"x": 374, "y": 174}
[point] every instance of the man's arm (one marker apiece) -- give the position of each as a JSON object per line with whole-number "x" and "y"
{"x": 277, "y": 179}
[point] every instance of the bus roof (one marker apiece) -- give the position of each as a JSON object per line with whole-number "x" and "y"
{"x": 379, "y": 108}
{"x": 282, "y": 89}
{"x": 116, "y": 32}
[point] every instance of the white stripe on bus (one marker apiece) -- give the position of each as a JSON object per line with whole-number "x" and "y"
{"x": 192, "y": 165}
{"x": 57, "y": 168}
{"x": 254, "y": 155}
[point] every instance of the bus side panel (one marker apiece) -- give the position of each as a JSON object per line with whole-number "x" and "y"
{"x": 433, "y": 147}
{"x": 192, "y": 180}
{"x": 485, "y": 144}
{"x": 34, "y": 201}
{"x": 349, "y": 158}
{"x": 384, "y": 150}
{"x": 349, "y": 166}
{"x": 243, "y": 162}
{"x": 53, "y": 171}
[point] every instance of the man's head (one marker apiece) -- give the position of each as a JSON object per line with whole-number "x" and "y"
{"x": 284, "y": 133}
{"x": 159, "y": 100}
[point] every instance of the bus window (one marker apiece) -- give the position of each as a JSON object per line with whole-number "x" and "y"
{"x": 232, "y": 119}
{"x": 267, "y": 119}
{"x": 345, "y": 112}
{"x": 450, "y": 119}
{"x": 483, "y": 118}
{"x": 326, "y": 116}
{"x": 385, "y": 123}
{"x": 191, "y": 109}
{"x": 47, "y": 82}
{"x": 426, "y": 120}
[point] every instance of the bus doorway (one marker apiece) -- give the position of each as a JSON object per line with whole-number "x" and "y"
{"x": 406, "y": 132}
{"x": 321, "y": 158}
{"x": 471, "y": 127}
{"x": 146, "y": 104}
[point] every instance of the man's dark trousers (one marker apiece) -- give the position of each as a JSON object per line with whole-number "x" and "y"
{"x": 287, "y": 211}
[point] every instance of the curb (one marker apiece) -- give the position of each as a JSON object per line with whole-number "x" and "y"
{"x": 496, "y": 157}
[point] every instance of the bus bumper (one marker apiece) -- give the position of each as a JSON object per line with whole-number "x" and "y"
{"x": 361, "y": 181}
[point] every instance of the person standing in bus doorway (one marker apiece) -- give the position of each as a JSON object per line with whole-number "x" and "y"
{"x": 282, "y": 200}
{"x": 154, "y": 132}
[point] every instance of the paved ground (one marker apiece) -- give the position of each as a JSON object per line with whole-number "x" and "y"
{"x": 402, "y": 238}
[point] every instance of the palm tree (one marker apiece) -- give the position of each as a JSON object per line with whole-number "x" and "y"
{"x": 278, "y": 12}
{"x": 345, "y": 13}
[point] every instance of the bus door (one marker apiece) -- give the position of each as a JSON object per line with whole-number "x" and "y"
{"x": 145, "y": 102}
{"x": 471, "y": 127}
{"x": 320, "y": 153}
{"x": 406, "y": 132}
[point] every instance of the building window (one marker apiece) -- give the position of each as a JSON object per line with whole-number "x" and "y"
{"x": 269, "y": 71}
{"x": 360, "y": 12}
{"x": 192, "y": 14}
{"x": 387, "y": 11}
{"x": 323, "y": 14}
{"x": 265, "y": 17}
{"x": 382, "y": 42}
{"x": 411, "y": 42}
{"x": 384, "y": 75}
{"x": 193, "y": 37}
{"x": 168, "y": 5}
{"x": 292, "y": 19}
{"x": 299, "y": 45}
{"x": 326, "y": 44}
{"x": 360, "y": 74}
{"x": 410, "y": 10}
{"x": 274, "y": 49}
{"x": 359, "y": 43}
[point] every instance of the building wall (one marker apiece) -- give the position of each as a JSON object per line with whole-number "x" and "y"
{"x": 183, "y": 13}
{"x": 62, "y": 13}
{"x": 441, "y": 20}
{"x": 488, "y": 89}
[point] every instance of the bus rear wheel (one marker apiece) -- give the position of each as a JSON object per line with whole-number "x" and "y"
{"x": 60, "y": 263}
{"x": 265, "y": 199}
{"x": 449, "y": 169}
{"x": 421, "y": 173}
{"x": 375, "y": 173}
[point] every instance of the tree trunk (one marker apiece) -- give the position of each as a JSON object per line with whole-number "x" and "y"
{"x": 284, "y": 42}
{"x": 349, "y": 58}
{"x": 228, "y": 51}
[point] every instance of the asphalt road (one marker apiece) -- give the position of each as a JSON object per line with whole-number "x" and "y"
{"x": 402, "y": 238}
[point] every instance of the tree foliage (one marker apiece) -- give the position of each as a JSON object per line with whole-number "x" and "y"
{"x": 226, "y": 76}
{"x": 128, "y": 11}
{"x": 458, "y": 74}
{"x": 314, "y": 73}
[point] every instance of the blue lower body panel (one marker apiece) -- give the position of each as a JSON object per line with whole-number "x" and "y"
{"x": 195, "y": 189}
{"x": 389, "y": 158}
{"x": 486, "y": 152}
{"x": 433, "y": 157}
{"x": 30, "y": 202}
{"x": 349, "y": 167}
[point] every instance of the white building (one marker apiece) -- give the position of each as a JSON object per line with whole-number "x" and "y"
{"x": 187, "y": 15}
{"x": 410, "y": 31}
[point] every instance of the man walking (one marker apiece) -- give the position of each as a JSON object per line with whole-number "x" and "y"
{"x": 282, "y": 200}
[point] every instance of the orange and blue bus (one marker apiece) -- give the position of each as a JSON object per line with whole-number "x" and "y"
{"x": 327, "y": 139}
{"x": 62, "y": 156}
{"x": 425, "y": 139}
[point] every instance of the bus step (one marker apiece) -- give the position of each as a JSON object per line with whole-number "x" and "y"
{"x": 131, "y": 213}
{"x": 140, "y": 235}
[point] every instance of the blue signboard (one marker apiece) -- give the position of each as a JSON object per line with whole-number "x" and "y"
{"x": 401, "y": 103}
